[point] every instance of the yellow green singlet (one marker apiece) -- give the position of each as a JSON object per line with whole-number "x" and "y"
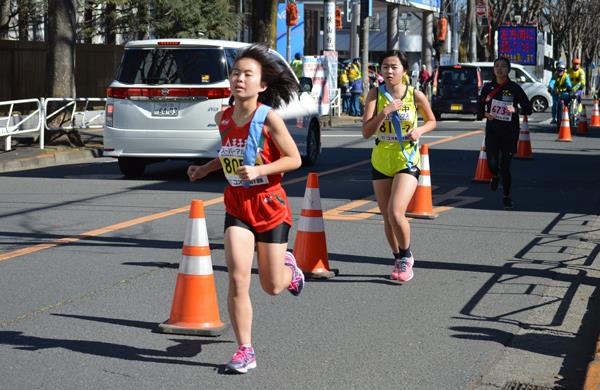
{"x": 390, "y": 156}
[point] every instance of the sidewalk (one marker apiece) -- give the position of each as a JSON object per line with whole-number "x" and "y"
{"x": 25, "y": 155}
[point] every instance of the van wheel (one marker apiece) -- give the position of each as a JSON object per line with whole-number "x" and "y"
{"x": 438, "y": 115}
{"x": 539, "y": 104}
{"x": 313, "y": 145}
{"x": 132, "y": 167}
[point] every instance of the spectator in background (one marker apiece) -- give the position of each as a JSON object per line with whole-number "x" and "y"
{"x": 296, "y": 65}
{"x": 356, "y": 88}
{"x": 559, "y": 86}
{"x": 344, "y": 85}
{"x": 424, "y": 76}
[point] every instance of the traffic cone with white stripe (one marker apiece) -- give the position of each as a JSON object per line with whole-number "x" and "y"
{"x": 524, "y": 144}
{"x": 421, "y": 204}
{"x": 564, "y": 133}
{"x": 310, "y": 248}
{"x": 582, "y": 127}
{"x": 195, "y": 310}
{"x": 595, "y": 115}
{"x": 482, "y": 173}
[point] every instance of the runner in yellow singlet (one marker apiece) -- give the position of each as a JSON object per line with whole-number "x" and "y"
{"x": 391, "y": 115}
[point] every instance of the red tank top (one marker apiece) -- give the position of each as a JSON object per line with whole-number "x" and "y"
{"x": 231, "y": 154}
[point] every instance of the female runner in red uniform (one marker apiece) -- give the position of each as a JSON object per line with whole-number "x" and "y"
{"x": 256, "y": 206}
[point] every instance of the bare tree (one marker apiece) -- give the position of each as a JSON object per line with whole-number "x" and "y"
{"x": 264, "y": 21}
{"x": 24, "y": 9}
{"x": 61, "y": 61}
{"x": 5, "y": 17}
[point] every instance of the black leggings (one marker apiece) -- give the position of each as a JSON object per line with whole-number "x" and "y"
{"x": 499, "y": 163}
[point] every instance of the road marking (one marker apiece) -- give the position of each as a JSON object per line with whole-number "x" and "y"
{"x": 452, "y": 198}
{"x": 168, "y": 213}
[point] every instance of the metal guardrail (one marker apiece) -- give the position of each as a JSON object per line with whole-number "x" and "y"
{"x": 335, "y": 107}
{"x": 70, "y": 107}
{"x": 8, "y": 129}
{"x": 15, "y": 124}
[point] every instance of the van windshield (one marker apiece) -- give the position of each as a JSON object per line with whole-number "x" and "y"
{"x": 172, "y": 66}
{"x": 458, "y": 76}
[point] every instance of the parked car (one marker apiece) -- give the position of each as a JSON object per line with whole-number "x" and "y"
{"x": 455, "y": 90}
{"x": 536, "y": 91}
{"x": 166, "y": 93}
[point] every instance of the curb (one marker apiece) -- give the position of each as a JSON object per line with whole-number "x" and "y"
{"x": 50, "y": 158}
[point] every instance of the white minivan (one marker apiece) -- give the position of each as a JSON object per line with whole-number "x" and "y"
{"x": 166, "y": 93}
{"x": 536, "y": 91}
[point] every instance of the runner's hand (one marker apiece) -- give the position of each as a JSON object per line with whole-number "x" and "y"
{"x": 490, "y": 116}
{"x": 395, "y": 105}
{"x": 196, "y": 172}
{"x": 247, "y": 172}
{"x": 414, "y": 134}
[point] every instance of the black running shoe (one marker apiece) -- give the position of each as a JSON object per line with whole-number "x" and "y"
{"x": 508, "y": 204}
{"x": 494, "y": 183}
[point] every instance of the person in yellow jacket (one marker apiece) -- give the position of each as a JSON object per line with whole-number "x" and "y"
{"x": 577, "y": 76}
{"x": 391, "y": 115}
{"x": 296, "y": 65}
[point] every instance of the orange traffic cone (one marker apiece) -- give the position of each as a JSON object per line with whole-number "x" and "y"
{"x": 595, "y": 115}
{"x": 195, "y": 310}
{"x": 421, "y": 205}
{"x": 310, "y": 248}
{"x": 582, "y": 127}
{"x": 564, "y": 133}
{"x": 482, "y": 173}
{"x": 524, "y": 144}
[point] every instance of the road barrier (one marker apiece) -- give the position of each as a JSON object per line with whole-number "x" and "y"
{"x": 76, "y": 119}
{"x": 81, "y": 113}
{"x": 14, "y": 123}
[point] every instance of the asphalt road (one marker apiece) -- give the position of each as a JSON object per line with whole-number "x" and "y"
{"x": 498, "y": 297}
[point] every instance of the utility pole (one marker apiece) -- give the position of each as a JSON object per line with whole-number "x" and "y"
{"x": 365, "y": 22}
{"x": 393, "y": 40}
{"x": 288, "y": 40}
{"x": 329, "y": 20}
{"x": 427, "y": 40}
{"x": 354, "y": 40}
{"x": 455, "y": 31}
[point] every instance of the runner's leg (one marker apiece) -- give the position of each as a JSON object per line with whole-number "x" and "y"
{"x": 382, "y": 189}
{"x": 274, "y": 275}
{"x": 239, "y": 252}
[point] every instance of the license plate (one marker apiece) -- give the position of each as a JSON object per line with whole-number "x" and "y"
{"x": 165, "y": 109}
{"x": 456, "y": 107}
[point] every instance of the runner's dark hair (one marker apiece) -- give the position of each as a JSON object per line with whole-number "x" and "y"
{"x": 395, "y": 53}
{"x": 281, "y": 83}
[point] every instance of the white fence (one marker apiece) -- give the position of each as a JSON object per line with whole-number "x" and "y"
{"x": 78, "y": 113}
{"x": 15, "y": 123}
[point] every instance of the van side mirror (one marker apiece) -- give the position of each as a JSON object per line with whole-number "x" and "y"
{"x": 306, "y": 84}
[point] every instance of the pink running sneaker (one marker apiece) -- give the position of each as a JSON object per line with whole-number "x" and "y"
{"x": 297, "y": 283}
{"x": 243, "y": 360}
{"x": 403, "y": 269}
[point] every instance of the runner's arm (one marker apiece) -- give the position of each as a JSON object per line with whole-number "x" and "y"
{"x": 428, "y": 117}
{"x": 523, "y": 101}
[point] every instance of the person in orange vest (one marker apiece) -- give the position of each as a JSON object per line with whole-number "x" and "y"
{"x": 391, "y": 115}
{"x": 256, "y": 149}
{"x": 499, "y": 103}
